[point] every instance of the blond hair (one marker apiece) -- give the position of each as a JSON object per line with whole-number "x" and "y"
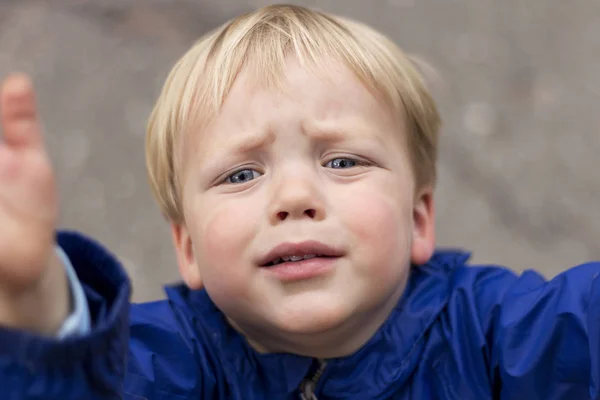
{"x": 261, "y": 41}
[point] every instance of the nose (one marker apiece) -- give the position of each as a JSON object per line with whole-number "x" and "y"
{"x": 296, "y": 197}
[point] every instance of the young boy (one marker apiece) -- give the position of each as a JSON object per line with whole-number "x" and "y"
{"x": 293, "y": 153}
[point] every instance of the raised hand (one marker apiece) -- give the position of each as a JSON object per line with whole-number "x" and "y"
{"x": 29, "y": 270}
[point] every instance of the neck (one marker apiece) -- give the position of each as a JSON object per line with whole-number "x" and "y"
{"x": 340, "y": 341}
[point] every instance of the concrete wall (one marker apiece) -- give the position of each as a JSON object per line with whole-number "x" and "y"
{"x": 519, "y": 93}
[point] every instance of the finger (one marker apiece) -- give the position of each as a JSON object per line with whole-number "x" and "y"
{"x": 18, "y": 113}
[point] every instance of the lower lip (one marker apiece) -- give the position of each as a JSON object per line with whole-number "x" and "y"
{"x": 301, "y": 270}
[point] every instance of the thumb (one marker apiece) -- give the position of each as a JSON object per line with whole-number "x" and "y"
{"x": 18, "y": 113}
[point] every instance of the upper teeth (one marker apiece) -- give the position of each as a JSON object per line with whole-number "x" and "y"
{"x": 298, "y": 258}
{"x": 294, "y": 258}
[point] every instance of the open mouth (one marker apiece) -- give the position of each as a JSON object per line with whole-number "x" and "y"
{"x": 280, "y": 260}
{"x": 288, "y": 252}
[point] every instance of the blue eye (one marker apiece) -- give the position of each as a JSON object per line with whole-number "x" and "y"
{"x": 242, "y": 176}
{"x": 341, "y": 163}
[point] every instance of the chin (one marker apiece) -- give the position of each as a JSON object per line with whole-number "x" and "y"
{"x": 309, "y": 319}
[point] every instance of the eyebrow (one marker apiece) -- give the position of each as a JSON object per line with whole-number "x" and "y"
{"x": 326, "y": 134}
{"x": 338, "y": 132}
{"x": 251, "y": 142}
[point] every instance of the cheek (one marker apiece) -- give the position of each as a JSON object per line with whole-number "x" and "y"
{"x": 380, "y": 222}
{"x": 224, "y": 234}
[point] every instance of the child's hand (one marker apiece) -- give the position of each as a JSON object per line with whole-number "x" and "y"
{"x": 33, "y": 286}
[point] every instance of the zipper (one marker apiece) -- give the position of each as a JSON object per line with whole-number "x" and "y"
{"x": 308, "y": 385}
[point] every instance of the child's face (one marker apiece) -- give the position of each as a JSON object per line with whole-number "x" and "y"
{"x": 321, "y": 162}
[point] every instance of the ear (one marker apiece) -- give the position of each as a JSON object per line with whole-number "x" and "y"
{"x": 188, "y": 266}
{"x": 423, "y": 235}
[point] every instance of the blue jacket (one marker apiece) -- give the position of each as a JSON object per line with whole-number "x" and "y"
{"x": 459, "y": 332}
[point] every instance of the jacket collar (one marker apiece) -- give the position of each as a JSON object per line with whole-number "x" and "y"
{"x": 386, "y": 360}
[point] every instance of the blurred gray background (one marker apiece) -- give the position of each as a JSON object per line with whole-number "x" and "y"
{"x": 518, "y": 88}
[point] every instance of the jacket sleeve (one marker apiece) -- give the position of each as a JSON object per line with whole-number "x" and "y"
{"x": 543, "y": 336}
{"x": 91, "y": 366}
{"x": 132, "y": 351}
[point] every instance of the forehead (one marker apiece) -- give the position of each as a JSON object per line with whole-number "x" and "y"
{"x": 326, "y": 97}
{"x": 316, "y": 89}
